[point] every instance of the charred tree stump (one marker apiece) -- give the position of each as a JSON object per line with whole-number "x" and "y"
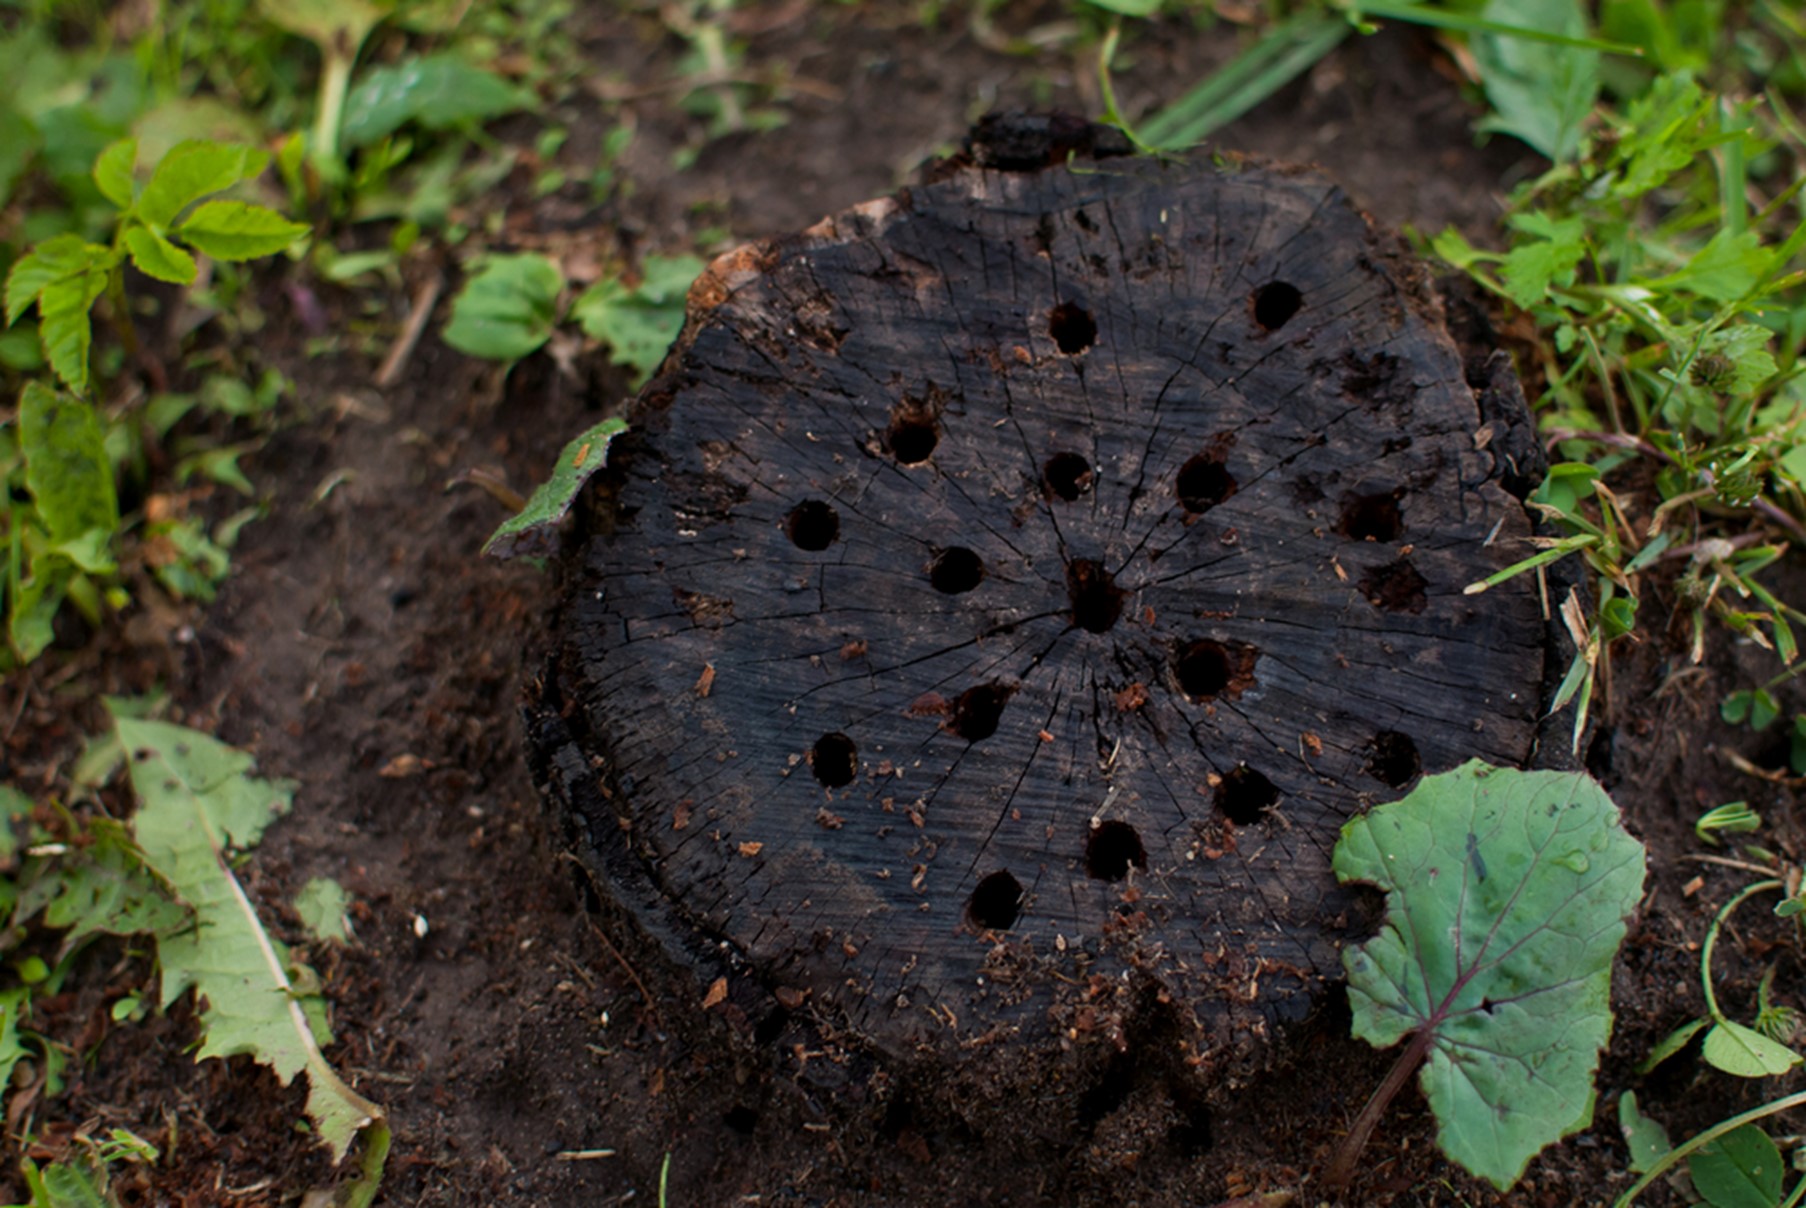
{"x": 1009, "y": 588}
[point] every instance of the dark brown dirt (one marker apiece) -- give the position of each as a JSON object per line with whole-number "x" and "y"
{"x": 364, "y": 648}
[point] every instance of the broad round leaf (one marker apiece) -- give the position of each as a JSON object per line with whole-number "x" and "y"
{"x": 506, "y": 310}
{"x": 1507, "y": 894}
{"x": 1741, "y": 1169}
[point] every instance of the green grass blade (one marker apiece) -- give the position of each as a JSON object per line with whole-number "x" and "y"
{"x": 1418, "y": 14}
{"x": 1279, "y": 57}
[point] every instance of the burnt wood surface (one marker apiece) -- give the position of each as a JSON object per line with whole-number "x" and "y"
{"x": 1009, "y": 588}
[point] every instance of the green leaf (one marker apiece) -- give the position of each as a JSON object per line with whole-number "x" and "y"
{"x": 1745, "y": 1052}
{"x": 57, "y": 259}
{"x": 506, "y": 310}
{"x": 1551, "y": 258}
{"x": 65, "y": 1185}
{"x": 1646, "y": 1138}
{"x": 1726, "y": 269}
{"x": 1741, "y": 1169}
{"x": 157, "y": 257}
{"x": 1507, "y": 894}
{"x": 239, "y": 230}
{"x": 1129, "y": 8}
{"x": 321, "y": 904}
{"x": 15, "y": 812}
{"x": 107, "y": 889}
{"x": 66, "y": 463}
{"x": 1540, "y": 94}
{"x": 13, "y": 1005}
{"x": 639, "y": 324}
{"x": 113, "y": 172}
{"x": 437, "y": 91}
{"x": 194, "y": 169}
{"x": 326, "y": 23}
{"x": 197, "y": 803}
{"x": 19, "y": 141}
{"x": 531, "y": 531}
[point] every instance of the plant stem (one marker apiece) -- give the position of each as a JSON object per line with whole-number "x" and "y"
{"x": 1794, "y": 1197}
{"x": 335, "y": 82}
{"x": 1705, "y": 955}
{"x": 1342, "y": 1166}
{"x": 1718, "y": 1130}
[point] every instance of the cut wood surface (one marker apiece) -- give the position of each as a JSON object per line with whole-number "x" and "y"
{"x": 1008, "y": 589}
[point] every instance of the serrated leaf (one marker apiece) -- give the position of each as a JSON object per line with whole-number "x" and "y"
{"x": 1549, "y": 258}
{"x": 506, "y": 310}
{"x": 107, "y": 889}
{"x": 1538, "y": 93}
{"x": 321, "y": 904}
{"x": 437, "y": 91}
{"x": 1745, "y": 1052}
{"x": 197, "y": 802}
{"x": 64, "y": 326}
{"x": 1497, "y": 947}
{"x": 1724, "y": 270}
{"x": 195, "y": 169}
{"x": 157, "y": 257}
{"x": 66, "y": 465}
{"x": 638, "y": 324}
{"x": 531, "y": 531}
{"x": 1646, "y": 1138}
{"x": 1742, "y": 1169}
{"x": 59, "y": 258}
{"x": 113, "y": 172}
{"x": 239, "y": 230}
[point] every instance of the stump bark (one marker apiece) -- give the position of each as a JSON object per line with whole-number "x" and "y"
{"x": 1009, "y": 588}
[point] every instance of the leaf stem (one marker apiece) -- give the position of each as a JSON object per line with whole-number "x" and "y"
{"x": 1705, "y": 956}
{"x": 1342, "y": 1166}
{"x": 1669, "y": 1159}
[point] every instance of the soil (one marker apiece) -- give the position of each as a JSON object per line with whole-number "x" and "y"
{"x": 364, "y": 648}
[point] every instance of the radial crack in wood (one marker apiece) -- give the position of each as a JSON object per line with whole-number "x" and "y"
{"x": 1067, "y": 555}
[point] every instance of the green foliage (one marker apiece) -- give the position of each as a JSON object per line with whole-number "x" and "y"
{"x": 437, "y": 91}
{"x": 639, "y": 322}
{"x": 197, "y": 805}
{"x": 1732, "y": 818}
{"x": 530, "y": 532}
{"x": 1741, "y": 1169}
{"x": 322, "y": 904}
{"x": 1507, "y": 895}
{"x": 1540, "y": 94}
{"x": 507, "y": 309}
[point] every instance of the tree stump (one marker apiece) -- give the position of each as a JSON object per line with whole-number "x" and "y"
{"x": 1009, "y": 588}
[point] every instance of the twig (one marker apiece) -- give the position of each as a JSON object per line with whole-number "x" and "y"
{"x": 425, "y": 298}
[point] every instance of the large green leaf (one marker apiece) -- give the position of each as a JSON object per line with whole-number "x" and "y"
{"x": 638, "y": 324}
{"x": 1507, "y": 894}
{"x": 530, "y": 531}
{"x": 196, "y": 803}
{"x": 113, "y": 172}
{"x": 1742, "y": 1169}
{"x": 66, "y": 463}
{"x": 157, "y": 257}
{"x": 239, "y": 230}
{"x": 1538, "y": 93}
{"x": 436, "y": 91}
{"x": 59, "y": 259}
{"x": 195, "y": 169}
{"x": 507, "y": 310}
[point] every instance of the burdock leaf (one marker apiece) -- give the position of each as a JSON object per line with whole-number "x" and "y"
{"x": 1507, "y": 894}
{"x": 196, "y": 805}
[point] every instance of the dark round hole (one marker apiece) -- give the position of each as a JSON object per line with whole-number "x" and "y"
{"x": 978, "y": 710}
{"x": 1112, "y": 848}
{"x": 1072, "y": 328}
{"x": 1096, "y": 599}
{"x": 1372, "y": 518}
{"x": 1066, "y": 476}
{"x": 997, "y": 902}
{"x": 835, "y": 760}
{"x": 912, "y": 441}
{"x": 1275, "y": 303}
{"x": 1394, "y": 760}
{"x": 955, "y": 570}
{"x": 1204, "y": 669}
{"x": 812, "y": 525}
{"x": 742, "y": 1119}
{"x": 1245, "y": 794}
{"x": 1204, "y": 482}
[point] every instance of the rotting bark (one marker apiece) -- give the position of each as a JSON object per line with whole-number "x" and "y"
{"x": 1010, "y": 587}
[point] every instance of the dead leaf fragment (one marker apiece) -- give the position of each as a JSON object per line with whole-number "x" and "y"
{"x": 749, "y": 850}
{"x": 705, "y": 683}
{"x": 717, "y": 994}
{"x": 403, "y": 766}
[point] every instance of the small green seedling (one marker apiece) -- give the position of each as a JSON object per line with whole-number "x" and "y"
{"x": 1732, "y": 818}
{"x": 1507, "y": 895}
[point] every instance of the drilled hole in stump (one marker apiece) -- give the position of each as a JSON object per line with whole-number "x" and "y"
{"x": 1096, "y": 599}
{"x": 955, "y": 570}
{"x": 1245, "y": 795}
{"x": 1395, "y": 587}
{"x": 1072, "y": 328}
{"x": 1394, "y": 760}
{"x": 1112, "y": 849}
{"x": 978, "y": 710}
{"x": 997, "y": 902}
{"x": 1204, "y": 482}
{"x": 1066, "y": 476}
{"x": 812, "y": 525}
{"x": 912, "y": 440}
{"x": 1204, "y": 669}
{"x": 1373, "y": 517}
{"x": 1275, "y": 303}
{"x": 834, "y": 759}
